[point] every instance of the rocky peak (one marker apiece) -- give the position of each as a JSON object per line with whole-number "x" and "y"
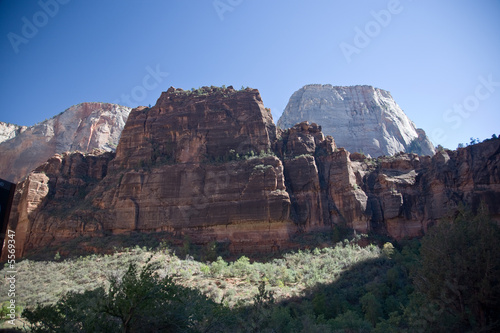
{"x": 360, "y": 118}
{"x": 82, "y": 127}
{"x": 192, "y": 126}
{"x": 305, "y": 138}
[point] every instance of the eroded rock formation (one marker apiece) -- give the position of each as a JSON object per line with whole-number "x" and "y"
{"x": 82, "y": 127}
{"x": 212, "y": 166}
{"x": 196, "y": 164}
{"x": 360, "y": 118}
{"x": 9, "y": 131}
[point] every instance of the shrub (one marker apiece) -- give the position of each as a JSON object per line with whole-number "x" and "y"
{"x": 414, "y": 147}
{"x": 218, "y": 268}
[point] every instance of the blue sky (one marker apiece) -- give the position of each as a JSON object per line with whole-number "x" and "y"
{"x": 439, "y": 59}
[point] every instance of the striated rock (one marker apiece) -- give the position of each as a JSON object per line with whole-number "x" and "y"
{"x": 196, "y": 165}
{"x": 184, "y": 127}
{"x": 212, "y": 166}
{"x": 321, "y": 182}
{"x": 408, "y": 193}
{"x": 360, "y": 118}
{"x": 82, "y": 127}
{"x": 50, "y": 203}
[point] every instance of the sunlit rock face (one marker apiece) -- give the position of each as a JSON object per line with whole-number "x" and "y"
{"x": 212, "y": 166}
{"x": 9, "y": 131}
{"x": 359, "y": 118}
{"x": 198, "y": 165}
{"x": 83, "y": 127}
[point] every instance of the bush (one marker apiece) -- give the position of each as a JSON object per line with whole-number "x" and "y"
{"x": 218, "y": 268}
{"x": 414, "y": 147}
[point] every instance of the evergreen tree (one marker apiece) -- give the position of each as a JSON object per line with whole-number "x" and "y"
{"x": 460, "y": 272}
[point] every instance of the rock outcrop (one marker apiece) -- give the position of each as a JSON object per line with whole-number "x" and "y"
{"x": 82, "y": 127}
{"x": 194, "y": 164}
{"x": 360, "y": 118}
{"x": 212, "y": 166}
{"x": 9, "y": 131}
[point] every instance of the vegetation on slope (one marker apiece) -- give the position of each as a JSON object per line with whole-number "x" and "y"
{"x": 448, "y": 281}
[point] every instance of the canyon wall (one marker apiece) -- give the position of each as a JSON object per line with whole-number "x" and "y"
{"x": 211, "y": 165}
{"x": 82, "y": 127}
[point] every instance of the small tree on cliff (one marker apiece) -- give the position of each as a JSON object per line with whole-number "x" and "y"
{"x": 460, "y": 273}
{"x": 414, "y": 147}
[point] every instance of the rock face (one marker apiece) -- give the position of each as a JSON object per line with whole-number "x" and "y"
{"x": 9, "y": 131}
{"x": 82, "y": 127}
{"x": 55, "y": 193}
{"x": 212, "y": 166}
{"x": 360, "y": 118}
{"x": 194, "y": 164}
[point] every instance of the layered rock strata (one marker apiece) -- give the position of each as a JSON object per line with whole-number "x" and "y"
{"x": 211, "y": 165}
{"x": 360, "y": 118}
{"x": 82, "y": 127}
{"x": 196, "y": 164}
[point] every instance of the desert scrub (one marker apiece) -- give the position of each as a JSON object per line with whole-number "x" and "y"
{"x": 287, "y": 276}
{"x": 262, "y": 167}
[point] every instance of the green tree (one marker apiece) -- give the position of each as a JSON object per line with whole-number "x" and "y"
{"x": 441, "y": 148}
{"x": 459, "y": 274}
{"x": 371, "y": 308}
{"x": 139, "y": 301}
{"x": 349, "y": 321}
{"x": 74, "y": 312}
{"x": 414, "y": 147}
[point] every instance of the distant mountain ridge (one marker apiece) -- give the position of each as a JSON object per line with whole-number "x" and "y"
{"x": 82, "y": 127}
{"x": 359, "y": 118}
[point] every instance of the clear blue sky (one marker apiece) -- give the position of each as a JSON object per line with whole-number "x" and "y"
{"x": 433, "y": 56}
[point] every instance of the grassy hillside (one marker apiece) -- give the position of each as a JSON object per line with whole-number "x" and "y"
{"x": 234, "y": 282}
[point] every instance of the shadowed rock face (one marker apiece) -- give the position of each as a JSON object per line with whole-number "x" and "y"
{"x": 212, "y": 166}
{"x": 360, "y": 118}
{"x": 82, "y": 127}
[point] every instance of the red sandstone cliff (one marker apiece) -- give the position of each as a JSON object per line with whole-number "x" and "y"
{"x": 211, "y": 165}
{"x": 195, "y": 164}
